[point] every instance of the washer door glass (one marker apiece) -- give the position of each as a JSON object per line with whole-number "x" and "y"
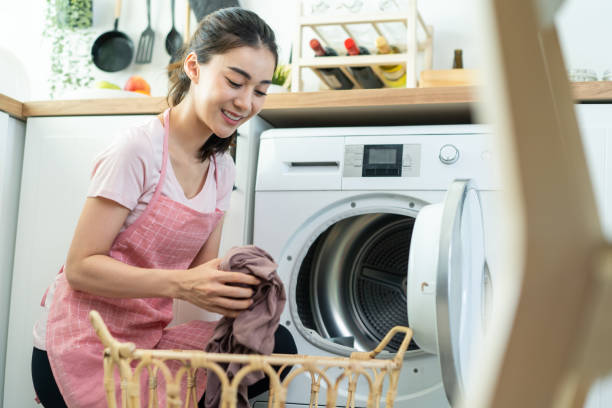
{"x": 446, "y": 279}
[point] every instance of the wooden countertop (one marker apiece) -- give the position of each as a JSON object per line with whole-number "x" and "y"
{"x": 353, "y": 107}
{"x": 11, "y": 106}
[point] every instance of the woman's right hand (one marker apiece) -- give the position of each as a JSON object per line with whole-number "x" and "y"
{"x": 217, "y": 291}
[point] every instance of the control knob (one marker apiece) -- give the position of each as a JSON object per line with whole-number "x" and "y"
{"x": 449, "y": 154}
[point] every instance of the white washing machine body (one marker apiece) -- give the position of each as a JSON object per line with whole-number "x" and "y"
{"x": 324, "y": 194}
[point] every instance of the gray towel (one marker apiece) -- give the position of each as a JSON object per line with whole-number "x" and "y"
{"x": 252, "y": 332}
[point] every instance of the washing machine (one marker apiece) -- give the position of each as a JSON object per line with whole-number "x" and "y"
{"x": 374, "y": 227}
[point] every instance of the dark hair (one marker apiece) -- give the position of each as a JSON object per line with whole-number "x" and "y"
{"x": 217, "y": 33}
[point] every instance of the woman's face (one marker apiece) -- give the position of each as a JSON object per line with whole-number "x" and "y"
{"x": 230, "y": 88}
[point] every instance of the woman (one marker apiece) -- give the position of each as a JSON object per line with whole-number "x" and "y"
{"x": 150, "y": 228}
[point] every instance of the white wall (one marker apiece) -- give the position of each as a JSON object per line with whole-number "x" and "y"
{"x": 583, "y": 24}
{"x": 585, "y": 32}
{"x": 21, "y": 25}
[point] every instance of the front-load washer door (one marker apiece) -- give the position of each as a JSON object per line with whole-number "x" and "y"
{"x": 446, "y": 283}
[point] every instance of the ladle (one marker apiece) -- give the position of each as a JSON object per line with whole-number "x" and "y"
{"x": 174, "y": 40}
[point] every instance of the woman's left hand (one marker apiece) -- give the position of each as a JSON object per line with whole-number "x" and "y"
{"x": 224, "y": 292}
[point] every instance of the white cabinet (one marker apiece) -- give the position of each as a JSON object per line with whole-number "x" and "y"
{"x": 12, "y": 136}
{"x": 595, "y": 122}
{"x": 57, "y": 164}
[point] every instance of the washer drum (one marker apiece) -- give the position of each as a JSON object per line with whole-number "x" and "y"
{"x": 352, "y": 283}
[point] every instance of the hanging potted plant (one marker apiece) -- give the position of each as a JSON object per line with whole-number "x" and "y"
{"x": 75, "y": 14}
{"x": 68, "y": 30}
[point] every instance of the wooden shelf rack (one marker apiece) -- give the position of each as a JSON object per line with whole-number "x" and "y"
{"x": 411, "y": 19}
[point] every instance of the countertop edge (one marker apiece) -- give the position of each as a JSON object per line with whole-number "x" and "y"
{"x": 11, "y": 106}
{"x": 286, "y": 103}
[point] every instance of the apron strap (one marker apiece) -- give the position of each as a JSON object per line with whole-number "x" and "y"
{"x": 43, "y": 301}
{"x": 216, "y": 183}
{"x": 162, "y": 176}
{"x": 215, "y": 162}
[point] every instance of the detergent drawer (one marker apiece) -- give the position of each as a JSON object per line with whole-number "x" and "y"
{"x": 300, "y": 164}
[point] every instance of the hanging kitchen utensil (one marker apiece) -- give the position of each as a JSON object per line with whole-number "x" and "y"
{"x": 188, "y": 24}
{"x": 147, "y": 39}
{"x": 180, "y": 54}
{"x": 174, "y": 40}
{"x": 113, "y": 50}
{"x": 201, "y": 8}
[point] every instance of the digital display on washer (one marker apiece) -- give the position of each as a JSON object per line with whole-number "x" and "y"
{"x": 383, "y": 156}
{"x": 382, "y": 161}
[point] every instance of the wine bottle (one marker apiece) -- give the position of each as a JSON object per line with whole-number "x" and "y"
{"x": 394, "y": 75}
{"x": 333, "y": 77}
{"x": 458, "y": 60}
{"x": 364, "y": 75}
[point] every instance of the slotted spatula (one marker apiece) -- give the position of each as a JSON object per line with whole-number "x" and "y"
{"x": 147, "y": 39}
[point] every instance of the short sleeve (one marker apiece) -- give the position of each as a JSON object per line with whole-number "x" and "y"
{"x": 226, "y": 174}
{"x": 119, "y": 172}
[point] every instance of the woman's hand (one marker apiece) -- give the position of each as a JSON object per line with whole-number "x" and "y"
{"x": 217, "y": 291}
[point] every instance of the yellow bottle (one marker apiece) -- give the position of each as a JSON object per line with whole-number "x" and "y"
{"x": 394, "y": 75}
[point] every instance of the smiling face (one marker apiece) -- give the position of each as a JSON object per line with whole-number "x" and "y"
{"x": 230, "y": 88}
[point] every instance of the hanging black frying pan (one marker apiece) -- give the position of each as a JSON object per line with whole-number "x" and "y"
{"x": 113, "y": 50}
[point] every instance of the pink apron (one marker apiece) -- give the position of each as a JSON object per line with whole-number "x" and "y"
{"x": 168, "y": 235}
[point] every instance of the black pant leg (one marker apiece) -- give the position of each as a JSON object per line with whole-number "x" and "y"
{"x": 283, "y": 344}
{"x": 44, "y": 383}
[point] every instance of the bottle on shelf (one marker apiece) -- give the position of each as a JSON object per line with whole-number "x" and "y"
{"x": 458, "y": 60}
{"x": 333, "y": 77}
{"x": 364, "y": 75}
{"x": 394, "y": 75}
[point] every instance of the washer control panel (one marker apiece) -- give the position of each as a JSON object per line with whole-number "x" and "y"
{"x": 382, "y": 160}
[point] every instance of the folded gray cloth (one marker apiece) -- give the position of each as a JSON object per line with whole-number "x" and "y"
{"x": 252, "y": 332}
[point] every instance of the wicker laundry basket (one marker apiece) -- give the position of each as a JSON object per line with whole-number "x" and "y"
{"x": 132, "y": 363}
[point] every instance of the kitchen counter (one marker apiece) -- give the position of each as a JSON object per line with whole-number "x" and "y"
{"x": 11, "y": 106}
{"x": 337, "y": 108}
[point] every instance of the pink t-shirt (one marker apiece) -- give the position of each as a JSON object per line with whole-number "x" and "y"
{"x": 128, "y": 171}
